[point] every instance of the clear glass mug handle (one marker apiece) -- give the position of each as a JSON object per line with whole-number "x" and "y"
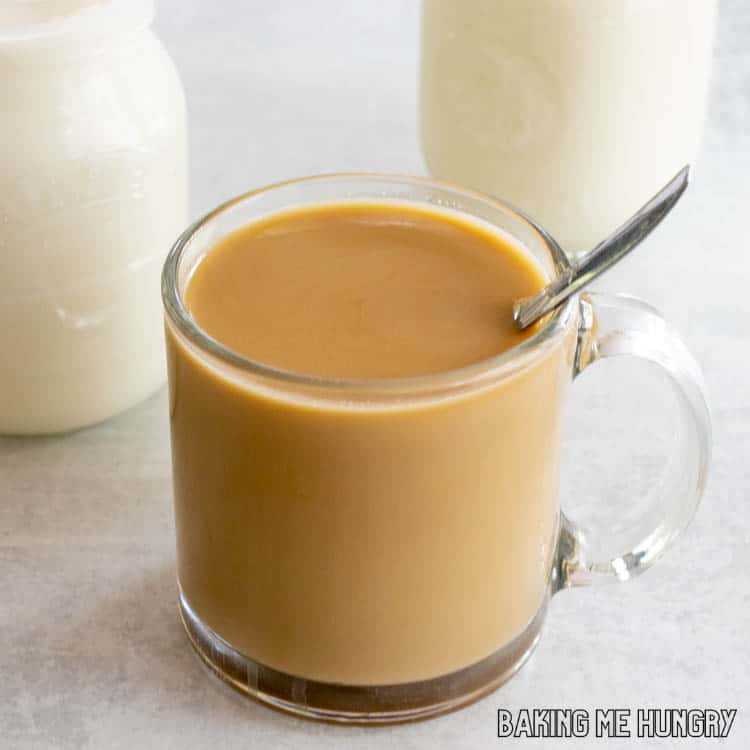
{"x": 617, "y": 325}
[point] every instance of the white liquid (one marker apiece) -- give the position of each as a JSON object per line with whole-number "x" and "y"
{"x": 575, "y": 111}
{"x": 94, "y": 192}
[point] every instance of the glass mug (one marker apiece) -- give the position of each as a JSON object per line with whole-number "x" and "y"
{"x": 384, "y": 550}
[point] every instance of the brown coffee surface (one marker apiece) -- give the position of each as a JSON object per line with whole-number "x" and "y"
{"x": 363, "y": 291}
{"x": 364, "y": 543}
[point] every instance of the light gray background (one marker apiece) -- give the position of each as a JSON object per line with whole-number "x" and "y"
{"x": 91, "y": 652}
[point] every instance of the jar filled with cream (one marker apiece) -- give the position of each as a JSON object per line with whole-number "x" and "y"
{"x": 572, "y": 109}
{"x": 93, "y": 179}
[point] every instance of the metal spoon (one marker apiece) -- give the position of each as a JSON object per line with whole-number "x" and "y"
{"x": 608, "y": 252}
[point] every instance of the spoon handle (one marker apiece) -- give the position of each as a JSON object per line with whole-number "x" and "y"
{"x": 605, "y": 254}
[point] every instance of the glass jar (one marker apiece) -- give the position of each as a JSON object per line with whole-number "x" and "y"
{"x": 576, "y": 111}
{"x": 94, "y": 191}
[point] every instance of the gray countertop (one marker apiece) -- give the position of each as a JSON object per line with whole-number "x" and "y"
{"x": 92, "y": 654}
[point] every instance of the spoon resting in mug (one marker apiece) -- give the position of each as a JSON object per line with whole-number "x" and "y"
{"x": 608, "y": 252}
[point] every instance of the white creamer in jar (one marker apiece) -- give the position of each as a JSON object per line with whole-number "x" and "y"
{"x": 575, "y": 111}
{"x": 93, "y": 191}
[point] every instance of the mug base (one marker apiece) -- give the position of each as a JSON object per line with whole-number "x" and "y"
{"x": 347, "y": 704}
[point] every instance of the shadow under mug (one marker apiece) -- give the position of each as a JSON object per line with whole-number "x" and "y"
{"x": 383, "y": 550}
